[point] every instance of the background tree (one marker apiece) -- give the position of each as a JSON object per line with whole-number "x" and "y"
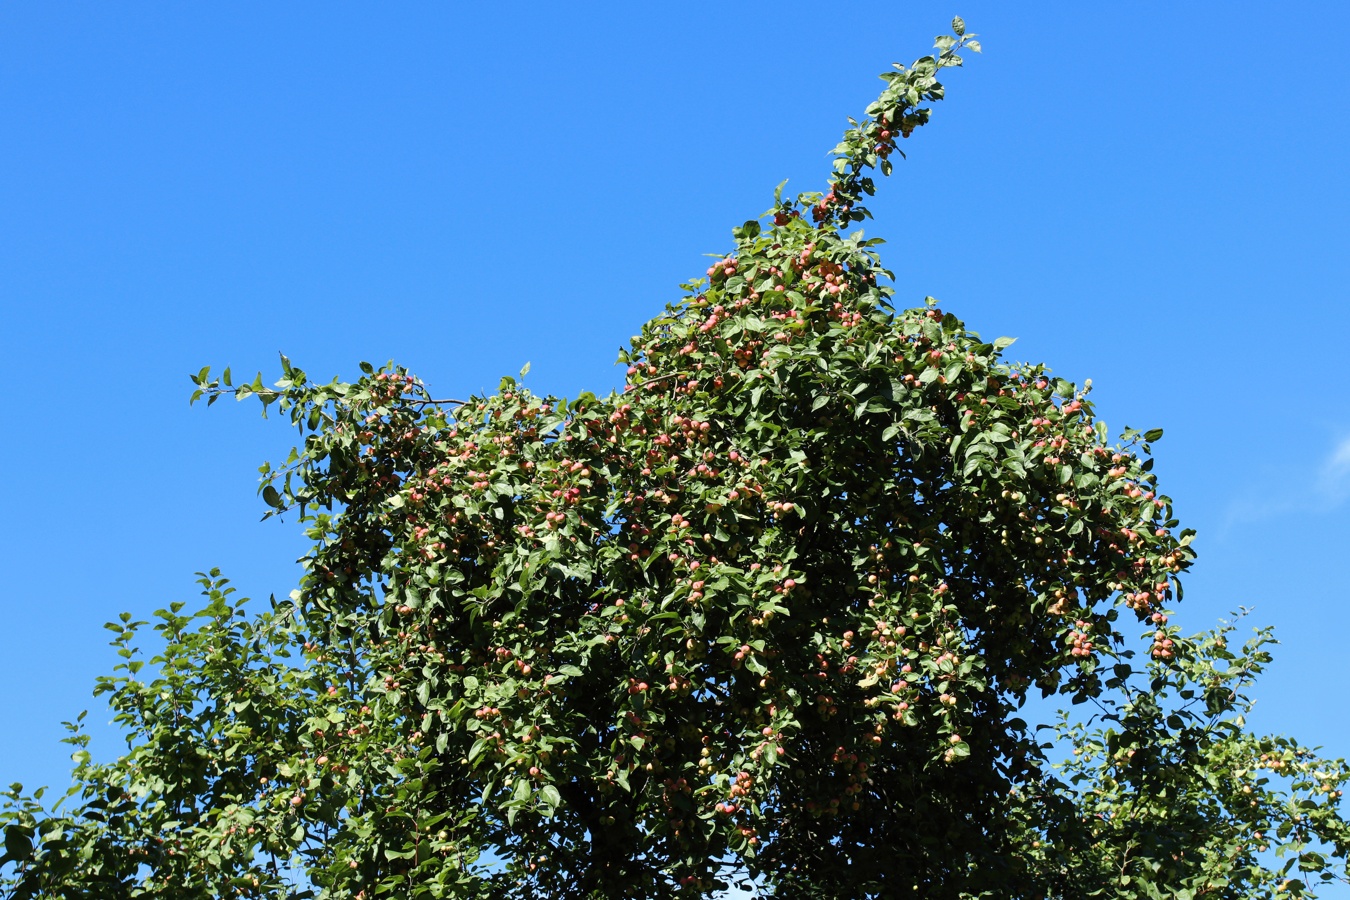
{"x": 774, "y": 608}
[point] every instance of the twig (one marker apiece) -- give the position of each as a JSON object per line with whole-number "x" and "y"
{"x": 449, "y": 401}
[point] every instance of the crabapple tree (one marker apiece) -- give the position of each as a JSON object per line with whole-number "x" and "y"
{"x": 771, "y": 610}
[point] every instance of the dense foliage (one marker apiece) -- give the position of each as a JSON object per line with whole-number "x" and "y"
{"x": 772, "y": 610}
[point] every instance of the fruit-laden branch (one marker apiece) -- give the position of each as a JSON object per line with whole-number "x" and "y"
{"x": 870, "y": 143}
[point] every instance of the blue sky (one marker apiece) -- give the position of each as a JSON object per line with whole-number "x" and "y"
{"x": 1152, "y": 195}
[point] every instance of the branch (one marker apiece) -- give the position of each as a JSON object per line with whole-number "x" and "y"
{"x": 869, "y": 144}
{"x": 449, "y": 401}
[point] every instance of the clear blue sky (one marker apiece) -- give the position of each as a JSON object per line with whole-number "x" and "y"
{"x": 1153, "y": 195}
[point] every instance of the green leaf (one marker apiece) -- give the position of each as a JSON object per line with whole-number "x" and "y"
{"x": 271, "y": 497}
{"x": 18, "y": 843}
{"x": 550, "y": 795}
{"x": 958, "y": 25}
{"x": 1153, "y": 434}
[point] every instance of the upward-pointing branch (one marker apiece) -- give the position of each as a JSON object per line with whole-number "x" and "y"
{"x": 869, "y": 143}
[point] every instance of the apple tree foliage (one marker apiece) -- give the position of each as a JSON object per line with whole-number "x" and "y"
{"x": 772, "y": 610}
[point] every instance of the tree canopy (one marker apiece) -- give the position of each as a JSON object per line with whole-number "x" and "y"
{"x": 770, "y": 613}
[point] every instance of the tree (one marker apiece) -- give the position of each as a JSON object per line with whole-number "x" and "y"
{"x": 771, "y": 610}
